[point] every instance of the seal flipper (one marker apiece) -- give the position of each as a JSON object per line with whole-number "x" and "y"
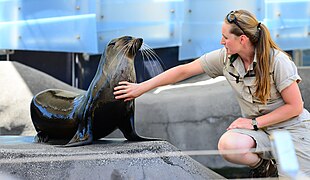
{"x": 128, "y": 130}
{"x": 83, "y": 135}
{"x": 41, "y": 137}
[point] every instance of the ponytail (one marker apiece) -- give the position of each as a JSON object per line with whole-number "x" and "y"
{"x": 262, "y": 68}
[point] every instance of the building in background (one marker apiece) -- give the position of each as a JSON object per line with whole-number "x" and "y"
{"x": 66, "y": 38}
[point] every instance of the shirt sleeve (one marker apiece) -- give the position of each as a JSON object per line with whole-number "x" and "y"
{"x": 285, "y": 71}
{"x": 213, "y": 62}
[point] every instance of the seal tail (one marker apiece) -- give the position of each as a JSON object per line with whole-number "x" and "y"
{"x": 131, "y": 135}
{"x": 83, "y": 135}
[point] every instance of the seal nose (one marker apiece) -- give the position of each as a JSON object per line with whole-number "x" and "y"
{"x": 140, "y": 40}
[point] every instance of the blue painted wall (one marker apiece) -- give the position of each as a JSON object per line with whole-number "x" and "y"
{"x": 85, "y": 26}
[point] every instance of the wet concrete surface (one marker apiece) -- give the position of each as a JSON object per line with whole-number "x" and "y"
{"x": 109, "y": 158}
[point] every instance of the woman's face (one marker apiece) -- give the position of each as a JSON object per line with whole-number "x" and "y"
{"x": 229, "y": 40}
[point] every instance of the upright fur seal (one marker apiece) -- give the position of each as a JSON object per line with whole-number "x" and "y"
{"x": 92, "y": 115}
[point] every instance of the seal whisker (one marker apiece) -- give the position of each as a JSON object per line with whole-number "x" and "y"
{"x": 158, "y": 59}
{"x": 143, "y": 51}
{"x": 154, "y": 62}
{"x": 145, "y": 61}
{"x": 154, "y": 53}
{"x": 151, "y": 50}
{"x": 144, "y": 55}
{"x": 151, "y": 54}
{"x": 149, "y": 63}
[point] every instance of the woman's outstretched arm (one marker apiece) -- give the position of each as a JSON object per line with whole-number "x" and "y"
{"x": 129, "y": 91}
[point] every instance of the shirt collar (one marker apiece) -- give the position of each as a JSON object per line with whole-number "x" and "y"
{"x": 232, "y": 58}
{"x": 236, "y": 62}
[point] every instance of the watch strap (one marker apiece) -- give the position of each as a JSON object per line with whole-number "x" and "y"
{"x": 254, "y": 124}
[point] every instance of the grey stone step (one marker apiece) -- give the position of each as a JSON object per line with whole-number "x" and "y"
{"x": 108, "y": 158}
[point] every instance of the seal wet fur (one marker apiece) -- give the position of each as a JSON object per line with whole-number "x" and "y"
{"x": 59, "y": 114}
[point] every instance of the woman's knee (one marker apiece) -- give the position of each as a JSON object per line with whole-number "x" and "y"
{"x": 226, "y": 141}
{"x": 233, "y": 141}
{"x": 234, "y": 147}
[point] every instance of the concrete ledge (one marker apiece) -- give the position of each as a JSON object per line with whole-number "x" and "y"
{"x": 105, "y": 159}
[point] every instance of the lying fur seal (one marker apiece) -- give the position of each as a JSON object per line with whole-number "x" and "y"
{"x": 60, "y": 114}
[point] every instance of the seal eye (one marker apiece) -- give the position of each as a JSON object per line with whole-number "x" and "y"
{"x": 111, "y": 44}
{"x": 127, "y": 38}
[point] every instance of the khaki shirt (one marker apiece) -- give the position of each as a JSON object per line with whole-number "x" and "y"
{"x": 283, "y": 73}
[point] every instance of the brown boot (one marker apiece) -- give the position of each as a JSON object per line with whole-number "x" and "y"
{"x": 266, "y": 168}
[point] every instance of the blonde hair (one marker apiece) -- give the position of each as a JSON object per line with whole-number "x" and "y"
{"x": 259, "y": 36}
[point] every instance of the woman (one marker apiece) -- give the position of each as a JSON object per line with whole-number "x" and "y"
{"x": 265, "y": 82}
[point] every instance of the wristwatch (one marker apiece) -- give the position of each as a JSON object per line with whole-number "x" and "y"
{"x": 254, "y": 124}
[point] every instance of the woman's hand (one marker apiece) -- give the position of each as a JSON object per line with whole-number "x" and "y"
{"x": 127, "y": 91}
{"x": 241, "y": 123}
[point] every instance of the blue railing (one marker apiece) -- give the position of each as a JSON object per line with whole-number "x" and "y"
{"x": 86, "y": 26}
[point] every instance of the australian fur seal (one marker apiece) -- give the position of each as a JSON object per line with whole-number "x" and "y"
{"x": 92, "y": 115}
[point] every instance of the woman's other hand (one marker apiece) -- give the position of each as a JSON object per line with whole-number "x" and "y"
{"x": 241, "y": 123}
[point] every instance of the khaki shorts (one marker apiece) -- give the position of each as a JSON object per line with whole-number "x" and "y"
{"x": 300, "y": 134}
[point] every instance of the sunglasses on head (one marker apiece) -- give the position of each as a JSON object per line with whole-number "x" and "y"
{"x": 231, "y": 18}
